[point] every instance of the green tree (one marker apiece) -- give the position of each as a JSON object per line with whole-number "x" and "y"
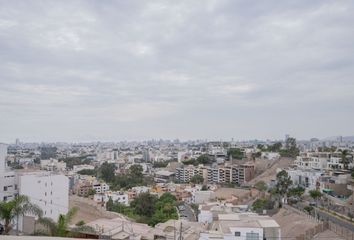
{"x": 190, "y": 162}
{"x": 109, "y": 204}
{"x": 283, "y": 183}
{"x": 315, "y": 194}
{"x": 136, "y": 171}
{"x": 259, "y": 204}
{"x": 13, "y": 209}
{"x": 291, "y": 149}
{"x": 296, "y": 192}
{"x": 261, "y": 186}
{"x": 197, "y": 179}
{"x": 275, "y": 147}
{"x": 308, "y": 209}
{"x": 89, "y": 172}
{"x": 80, "y": 223}
{"x": 60, "y": 228}
{"x": 144, "y": 204}
{"x": 235, "y": 153}
{"x": 107, "y": 171}
{"x": 204, "y": 159}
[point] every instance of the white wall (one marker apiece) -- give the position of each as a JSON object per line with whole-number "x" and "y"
{"x": 116, "y": 197}
{"x": 205, "y": 216}
{"x": 50, "y": 192}
{"x": 3, "y": 153}
{"x": 8, "y": 179}
{"x": 243, "y": 231}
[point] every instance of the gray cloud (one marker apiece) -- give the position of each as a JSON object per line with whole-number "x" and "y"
{"x": 118, "y": 70}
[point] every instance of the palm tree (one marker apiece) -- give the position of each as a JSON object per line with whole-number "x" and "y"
{"x": 13, "y": 209}
{"x": 61, "y": 227}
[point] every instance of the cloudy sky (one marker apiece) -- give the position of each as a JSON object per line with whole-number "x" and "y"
{"x": 215, "y": 69}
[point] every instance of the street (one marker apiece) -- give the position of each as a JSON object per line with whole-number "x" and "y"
{"x": 186, "y": 212}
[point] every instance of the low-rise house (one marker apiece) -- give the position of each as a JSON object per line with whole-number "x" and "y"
{"x": 121, "y": 229}
{"x": 308, "y": 179}
{"x": 119, "y": 197}
{"x": 237, "y": 226}
{"x": 53, "y": 165}
{"x": 100, "y": 187}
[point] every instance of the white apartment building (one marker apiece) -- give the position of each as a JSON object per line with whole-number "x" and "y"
{"x": 8, "y": 178}
{"x": 49, "y": 191}
{"x": 237, "y": 174}
{"x": 100, "y": 187}
{"x": 309, "y": 179}
{"x": 185, "y": 173}
{"x": 319, "y": 160}
{"x": 53, "y": 165}
{"x": 119, "y": 197}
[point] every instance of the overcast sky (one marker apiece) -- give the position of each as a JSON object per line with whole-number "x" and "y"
{"x": 124, "y": 70}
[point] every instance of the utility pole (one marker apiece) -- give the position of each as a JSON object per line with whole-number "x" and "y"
{"x": 174, "y": 229}
{"x": 180, "y": 232}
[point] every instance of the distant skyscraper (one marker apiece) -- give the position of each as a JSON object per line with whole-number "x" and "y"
{"x": 17, "y": 141}
{"x": 146, "y": 155}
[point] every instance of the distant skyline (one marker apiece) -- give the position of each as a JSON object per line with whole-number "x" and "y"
{"x": 212, "y": 69}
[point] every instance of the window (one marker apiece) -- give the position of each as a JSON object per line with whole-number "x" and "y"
{"x": 237, "y": 234}
{"x": 5, "y": 199}
{"x": 15, "y": 186}
{"x": 45, "y": 194}
{"x": 252, "y": 236}
{"x": 5, "y": 188}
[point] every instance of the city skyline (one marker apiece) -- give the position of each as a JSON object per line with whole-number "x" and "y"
{"x": 111, "y": 71}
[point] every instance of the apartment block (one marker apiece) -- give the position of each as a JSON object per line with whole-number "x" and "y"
{"x": 49, "y": 191}
{"x": 8, "y": 178}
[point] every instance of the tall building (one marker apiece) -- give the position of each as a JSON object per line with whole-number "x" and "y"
{"x": 8, "y": 179}
{"x": 49, "y": 191}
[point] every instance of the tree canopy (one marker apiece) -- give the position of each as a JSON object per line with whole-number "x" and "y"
{"x": 13, "y": 209}
{"x": 197, "y": 179}
{"x": 107, "y": 172}
{"x": 283, "y": 183}
{"x": 235, "y": 153}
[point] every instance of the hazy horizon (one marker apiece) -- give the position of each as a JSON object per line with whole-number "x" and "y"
{"x": 123, "y": 70}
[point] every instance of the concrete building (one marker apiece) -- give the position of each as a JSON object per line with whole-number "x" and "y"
{"x": 119, "y": 197}
{"x": 49, "y": 191}
{"x": 185, "y": 173}
{"x": 308, "y": 179}
{"x": 319, "y": 160}
{"x": 241, "y": 226}
{"x": 237, "y": 174}
{"x": 164, "y": 176}
{"x": 100, "y": 187}
{"x": 8, "y": 178}
{"x": 53, "y": 165}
